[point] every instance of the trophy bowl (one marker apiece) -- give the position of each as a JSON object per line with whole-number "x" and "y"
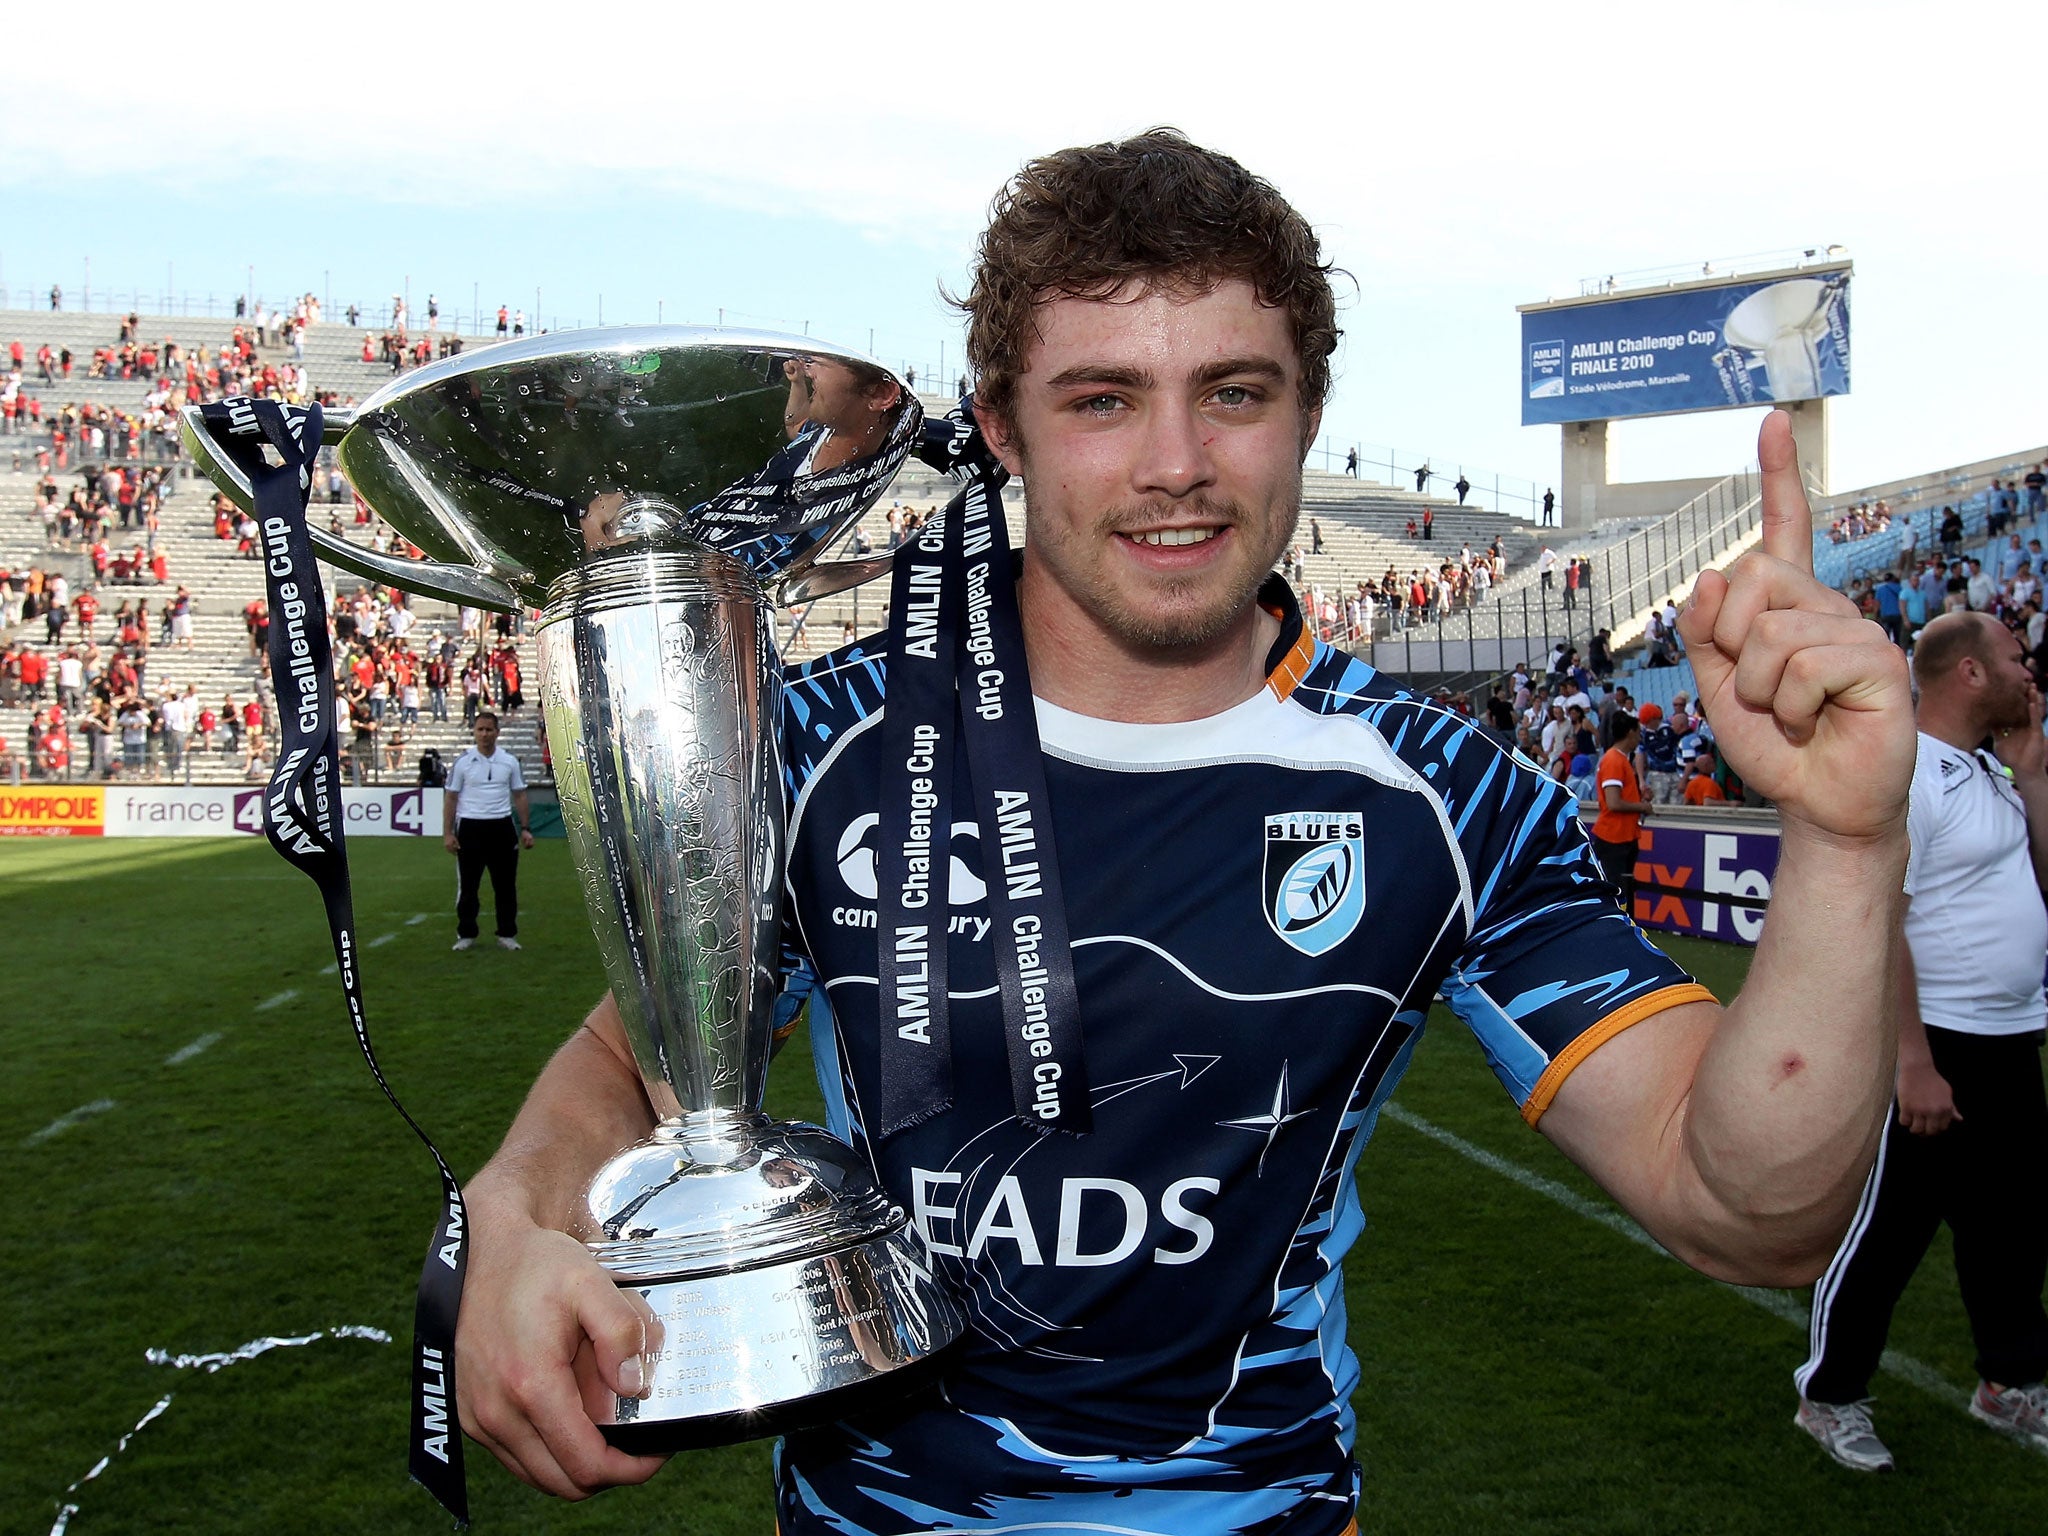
{"x": 648, "y": 489}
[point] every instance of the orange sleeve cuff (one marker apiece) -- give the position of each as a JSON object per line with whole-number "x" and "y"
{"x": 1567, "y": 1061}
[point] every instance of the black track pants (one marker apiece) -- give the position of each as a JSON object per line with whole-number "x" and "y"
{"x": 1986, "y": 1178}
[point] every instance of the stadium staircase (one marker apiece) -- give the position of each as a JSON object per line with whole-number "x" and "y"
{"x": 1365, "y": 531}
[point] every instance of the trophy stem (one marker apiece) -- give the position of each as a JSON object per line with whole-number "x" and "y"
{"x": 662, "y": 695}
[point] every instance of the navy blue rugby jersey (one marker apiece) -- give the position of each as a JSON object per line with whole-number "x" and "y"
{"x": 1262, "y": 905}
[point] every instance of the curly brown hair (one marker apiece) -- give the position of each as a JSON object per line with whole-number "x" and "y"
{"x": 1157, "y": 208}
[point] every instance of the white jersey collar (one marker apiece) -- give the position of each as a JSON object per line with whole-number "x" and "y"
{"x": 1123, "y": 741}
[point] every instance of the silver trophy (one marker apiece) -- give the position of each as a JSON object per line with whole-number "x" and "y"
{"x": 650, "y": 489}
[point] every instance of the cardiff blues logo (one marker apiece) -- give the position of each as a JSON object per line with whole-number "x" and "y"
{"x": 1315, "y": 877}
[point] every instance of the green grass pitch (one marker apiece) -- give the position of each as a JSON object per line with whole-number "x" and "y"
{"x": 1525, "y": 1368}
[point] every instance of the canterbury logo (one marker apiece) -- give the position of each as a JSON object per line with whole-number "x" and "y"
{"x": 856, "y": 858}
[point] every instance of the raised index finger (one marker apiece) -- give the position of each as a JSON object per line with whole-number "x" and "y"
{"x": 1788, "y": 518}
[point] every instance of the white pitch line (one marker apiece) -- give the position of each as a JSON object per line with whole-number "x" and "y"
{"x": 278, "y": 1000}
{"x": 1780, "y": 1304}
{"x": 417, "y": 918}
{"x": 382, "y": 938}
{"x": 210, "y": 1364}
{"x": 185, "y": 1053}
{"x": 330, "y": 969}
{"x": 64, "y": 1122}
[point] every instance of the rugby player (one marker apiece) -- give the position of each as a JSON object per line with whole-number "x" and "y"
{"x": 1157, "y": 1330}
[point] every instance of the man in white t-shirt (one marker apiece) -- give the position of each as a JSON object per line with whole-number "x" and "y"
{"x": 1982, "y": 588}
{"x": 70, "y": 679}
{"x": 180, "y": 714}
{"x": 1965, "y": 1146}
{"x": 484, "y": 823}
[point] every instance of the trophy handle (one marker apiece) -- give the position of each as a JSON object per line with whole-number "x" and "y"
{"x": 823, "y": 580}
{"x": 431, "y": 578}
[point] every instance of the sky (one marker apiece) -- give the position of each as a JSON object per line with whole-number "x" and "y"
{"x": 810, "y": 167}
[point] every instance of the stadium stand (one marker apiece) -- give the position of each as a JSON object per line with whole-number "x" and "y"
{"x": 115, "y": 409}
{"x": 1883, "y": 546}
{"x": 112, "y": 411}
{"x": 216, "y": 666}
{"x": 1375, "y": 566}
{"x": 1861, "y": 536}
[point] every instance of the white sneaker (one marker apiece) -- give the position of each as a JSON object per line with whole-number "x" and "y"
{"x": 1844, "y": 1432}
{"x": 462, "y": 943}
{"x": 504, "y": 943}
{"x": 2021, "y": 1412}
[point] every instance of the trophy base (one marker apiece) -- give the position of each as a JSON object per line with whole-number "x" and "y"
{"x": 819, "y": 1310}
{"x": 664, "y": 1437}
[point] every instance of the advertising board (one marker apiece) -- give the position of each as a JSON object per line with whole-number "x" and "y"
{"x": 1699, "y": 347}
{"x": 150, "y": 810}
{"x": 1679, "y": 866}
{"x": 51, "y": 810}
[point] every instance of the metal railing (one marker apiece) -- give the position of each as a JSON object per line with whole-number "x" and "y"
{"x": 1619, "y": 585}
{"x": 1724, "y": 268}
{"x": 1401, "y": 469}
{"x": 938, "y": 362}
{"x": 35, "y": 448}
{"x": 1944, "y": 489}
{"x": 1647, "y": 567}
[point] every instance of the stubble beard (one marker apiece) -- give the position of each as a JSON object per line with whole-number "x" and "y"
{"x": 2016, "y": 710}
{"x": 1177, "y": 617}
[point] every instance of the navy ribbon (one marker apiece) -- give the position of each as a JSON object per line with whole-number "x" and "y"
{"x": 957, "y": 665}
{"x": 913, "y": 856}
{"x": 276, "y": 446}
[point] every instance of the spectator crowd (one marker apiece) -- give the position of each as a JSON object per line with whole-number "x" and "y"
{"x": 167, "y": 375}
{"x": 1860, "y": 522}
{"x": 1425, "y": 594}
{"x": 85, "y": 652}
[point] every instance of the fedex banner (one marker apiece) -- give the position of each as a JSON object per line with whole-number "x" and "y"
{"x": 117, "y": 810}
{"x": 1673, "y": 861}
{"x": 1705, "y": 872}
{"x": 1701, "y": 348}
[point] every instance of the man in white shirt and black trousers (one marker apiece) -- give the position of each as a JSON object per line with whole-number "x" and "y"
{"x": 1966, "y": 1143}
{"x": 486, "y": 792}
